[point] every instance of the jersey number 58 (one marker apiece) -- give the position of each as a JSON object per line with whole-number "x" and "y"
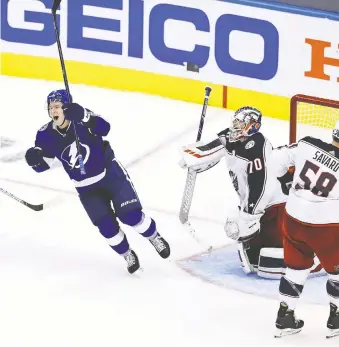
{"x": 320, "y": 185}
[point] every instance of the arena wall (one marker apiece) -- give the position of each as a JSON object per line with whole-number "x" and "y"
{"x": 255, "y": 55}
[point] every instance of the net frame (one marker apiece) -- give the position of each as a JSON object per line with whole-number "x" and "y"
{"x": 307, "y": 99}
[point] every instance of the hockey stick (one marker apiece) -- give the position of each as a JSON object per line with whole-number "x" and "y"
{"x": 191, "y": 178}
{"x": 56, "y": 4}
{"x": 31, "y": 206}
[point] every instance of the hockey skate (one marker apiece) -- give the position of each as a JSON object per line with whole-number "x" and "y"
{"x": 132, "y": 261}
{"x": 333, "y": 322}
{"x": 286, "y": 322}
{"x": 161, "y": 246}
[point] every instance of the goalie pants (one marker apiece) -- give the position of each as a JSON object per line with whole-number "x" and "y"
{"x": 271, "y": 234}
{"x": 302, "y": 240}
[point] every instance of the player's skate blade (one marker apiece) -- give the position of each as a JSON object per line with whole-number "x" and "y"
{"x": 161, "y": 246}
{"x": 333, "y": 322}
{"x": 285, "y": 332}
{"x": 332, "y": 333}
{"x": 286, "y": 322}
{"x": 132, "y": 261}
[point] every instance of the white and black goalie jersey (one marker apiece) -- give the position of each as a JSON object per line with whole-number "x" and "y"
{"x": 257, "y": 185}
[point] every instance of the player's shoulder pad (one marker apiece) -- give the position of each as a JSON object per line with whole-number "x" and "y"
{"x": 322, "y": 145}
{"x": 44, "y": 132}
{"x": 315, "y": 142}
{"x": 253, "y": 147}
{"x": 44, "y": 127}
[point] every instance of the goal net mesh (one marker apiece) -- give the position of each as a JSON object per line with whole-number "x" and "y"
{"x": 313, "y": 119}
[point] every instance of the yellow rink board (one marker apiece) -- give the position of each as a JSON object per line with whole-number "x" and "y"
{"x": 140, "y": 81}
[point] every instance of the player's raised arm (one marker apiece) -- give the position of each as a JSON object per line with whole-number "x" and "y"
{"x": 201, "y": 157}
{"x": 77, "y": 113}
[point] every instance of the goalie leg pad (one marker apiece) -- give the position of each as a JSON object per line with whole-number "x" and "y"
{"x": 271, "y": 263}
{"x": 246, "y": 265}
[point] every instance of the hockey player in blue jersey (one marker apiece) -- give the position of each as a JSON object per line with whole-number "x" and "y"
{"x": 106, "y": 181}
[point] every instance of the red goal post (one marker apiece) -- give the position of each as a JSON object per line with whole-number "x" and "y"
{"x": 312, "y": 114}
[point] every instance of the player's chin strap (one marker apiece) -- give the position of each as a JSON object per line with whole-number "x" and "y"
{"x": 242, "y": 247}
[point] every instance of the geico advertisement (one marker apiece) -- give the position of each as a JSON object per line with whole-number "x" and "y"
{"x": 234, "y": 45}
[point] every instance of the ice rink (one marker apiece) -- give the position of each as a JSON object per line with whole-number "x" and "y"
{"x": 62, "y": 285}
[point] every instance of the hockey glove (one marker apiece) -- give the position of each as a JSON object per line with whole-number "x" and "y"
{"x": 197, "y": 160}
{"x": 34, "y": 158}
{"x": 249, "y": 225}
{"x": 231, "y": 225}
{"x": 75, "y": 112}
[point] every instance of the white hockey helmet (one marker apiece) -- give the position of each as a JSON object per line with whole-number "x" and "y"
{"x": 246, "y": 121}
{"x": 335, "y": 132}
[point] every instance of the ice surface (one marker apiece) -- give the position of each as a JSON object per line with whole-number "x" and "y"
{"x": 61, "y": 285}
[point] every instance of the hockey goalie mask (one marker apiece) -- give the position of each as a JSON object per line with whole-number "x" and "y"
{"x": 246, "y": 122}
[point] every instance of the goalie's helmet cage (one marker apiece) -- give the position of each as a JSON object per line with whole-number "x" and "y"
{"x": 245, "y": 122}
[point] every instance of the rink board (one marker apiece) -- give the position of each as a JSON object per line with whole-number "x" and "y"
{"x": 174, "y": 49}
{"x": 222, "y": 267}
{"x": 172, "y": 87}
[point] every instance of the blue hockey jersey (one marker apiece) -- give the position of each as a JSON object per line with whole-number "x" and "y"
{"x": 61, "y": 144}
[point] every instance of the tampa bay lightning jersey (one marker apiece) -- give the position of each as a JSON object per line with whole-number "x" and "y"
{"x": 61, "y": 144}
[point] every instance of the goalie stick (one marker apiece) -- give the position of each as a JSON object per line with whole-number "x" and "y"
{"x": 38, "y": 207}
{"x": 56, "y": 4}
{"x": 191, "y": 178}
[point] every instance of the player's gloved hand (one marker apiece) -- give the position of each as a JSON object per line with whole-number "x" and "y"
{"x": 231, "y": 225}
{"x": 75, "y": 112}
{"x": 249, "y": 225}
{"x": 194, "y": 159}
{"x": 34, "y": 156}
{"x": 232, "y": 229}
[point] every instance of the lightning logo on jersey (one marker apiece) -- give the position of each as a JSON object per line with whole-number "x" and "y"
{"x": 70, "y": 154}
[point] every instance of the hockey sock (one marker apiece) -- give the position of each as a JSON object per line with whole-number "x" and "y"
{"x": 141, "y": 223}
{"x": 114, "y": 236}
{"x": 292, "y": 285}
{"x": 332, "y": 287}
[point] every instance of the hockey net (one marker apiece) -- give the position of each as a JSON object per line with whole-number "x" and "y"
{"x": 312, "y": 116}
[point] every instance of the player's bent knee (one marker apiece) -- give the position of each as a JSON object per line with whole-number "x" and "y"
{"x": 108, "y": 226}
{"x": 141, "y": 223}
{"x": 132, "y": 218}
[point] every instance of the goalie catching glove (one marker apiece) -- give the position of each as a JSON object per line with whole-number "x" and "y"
{"x": 242, "y": 226}
{"x": 199, "y": 157}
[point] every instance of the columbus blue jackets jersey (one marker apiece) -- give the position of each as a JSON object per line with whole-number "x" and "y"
{"x": 258, "y": 186}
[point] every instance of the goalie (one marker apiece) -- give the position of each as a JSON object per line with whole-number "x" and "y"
{"x": 256, "y": 223}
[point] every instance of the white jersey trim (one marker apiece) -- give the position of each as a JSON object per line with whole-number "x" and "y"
{"x": 90, "y": 180}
